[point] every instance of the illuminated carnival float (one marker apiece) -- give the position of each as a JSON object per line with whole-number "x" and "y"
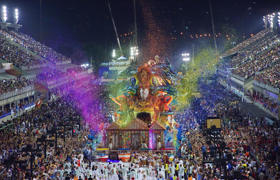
{"x": 144, "y": 119}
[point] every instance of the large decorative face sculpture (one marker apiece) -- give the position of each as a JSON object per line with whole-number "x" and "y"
{"x": 144, "y": 76}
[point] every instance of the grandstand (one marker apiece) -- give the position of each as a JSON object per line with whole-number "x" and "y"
{"x": 29, "y": 69}
{"x": 250, "y": 41}
{"x": 252, "y": 70}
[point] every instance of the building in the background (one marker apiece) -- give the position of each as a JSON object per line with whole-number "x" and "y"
{"x": 112, "y": 69}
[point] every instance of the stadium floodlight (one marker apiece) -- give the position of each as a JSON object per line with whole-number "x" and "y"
{"x": 270, "y": 21}
{"x": 114, "y": 53}
{"x": 186, "y": 59}
{"x": 134, "y": 51}
{"x": 86, "y": 65}
{"x": 16, "y": 16}
{"x": 131, "y": 51}
{"x": 278, "y": 19}
{"x": 185, "y": 54}
{"x": 4, "y": 14}
{"x": 271, "y": 18}
{"x": 265, "y": 20}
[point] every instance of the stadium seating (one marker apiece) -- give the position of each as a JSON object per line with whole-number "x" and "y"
{"x": 248, "y": 42}
{"x": 270, "y": 76}
{"x": 13, "y": 54}
{"x": 23, "y": 51}
{"x": 262, "y": 56}
{"x": 37, "y": 47}
{"x": 256, "y": 66}
{"x": 8, "y": 85}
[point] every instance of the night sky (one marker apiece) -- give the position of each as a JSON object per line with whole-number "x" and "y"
{"x": 68, "y": 24}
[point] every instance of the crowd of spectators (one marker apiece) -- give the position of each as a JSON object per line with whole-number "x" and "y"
{"x": 50, "y": 74}
{"x": 248, "y": 42}
{"x": 20, "y": 49}
{"x": 16, "y": 108}
{"x": 259, "y": 62}
{"x": 76, "y": 69}
{"x": 254, "y": 151}
{"x": 77, "y": 95}
{"x": 9, "y": 85}
{"x": 257, "y": 57}
{"x": 28, "y": 130}
{"x": 208, "y": 106}
{"x": 266, "y": 102}
{"x": 256, "y": 49}
{"x": 15, "y": 54}
{"x": 37, "y": 47}
{"x": 254, "y": 148}
{"x": 270, "y": 76}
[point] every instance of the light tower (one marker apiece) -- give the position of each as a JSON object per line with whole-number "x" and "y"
{"x": 114, "y": 53}
{"x": 186, "y": 57}
{"x": 134, "y": 52}
{"x": 271, "y": 20}
{"x": 265, "y": 20}
{"x": 16, "y": 15}
{"x": 278, "y": 19}
{"x": 4, "y": 16}
{"x": 4, "y": 24}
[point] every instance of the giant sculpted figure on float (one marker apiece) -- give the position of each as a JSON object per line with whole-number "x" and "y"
{"x": 146, "y": 97}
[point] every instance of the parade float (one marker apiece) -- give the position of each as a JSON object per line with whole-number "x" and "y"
{"x": 143, "y": 119}
{"x": 149, "y": 105}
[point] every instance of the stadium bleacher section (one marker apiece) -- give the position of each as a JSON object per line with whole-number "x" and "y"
{"x": 247, "y": 42}
{"x": 37, "y": 47}
{"x": 270, "y": 76}
{"x": 8, "y": 85}
{"x": 260, "y": 57}
{"x": 254, "y": 68}
{"x": 23, "y": 51}
{"x": 27, "y": 62}
{"x": 13, "y": 54}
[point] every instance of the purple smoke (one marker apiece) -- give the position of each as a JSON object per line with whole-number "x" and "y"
{"x": 80, "y": 89}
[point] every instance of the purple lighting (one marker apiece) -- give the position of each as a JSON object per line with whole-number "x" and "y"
{"x": 78, "y": 88}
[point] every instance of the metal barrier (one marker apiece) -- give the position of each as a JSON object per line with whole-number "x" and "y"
{"x": 33, "y": 67}
{"x": 19, "y": 112}
{"x": 238, "y": 77}
{"x": 63, "y": 62}
{"x": 268, "y": 87}
{"x": 5, "y": 115}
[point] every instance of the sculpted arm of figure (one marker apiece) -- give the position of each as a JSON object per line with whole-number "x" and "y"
{"x": 118, "y": 100}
